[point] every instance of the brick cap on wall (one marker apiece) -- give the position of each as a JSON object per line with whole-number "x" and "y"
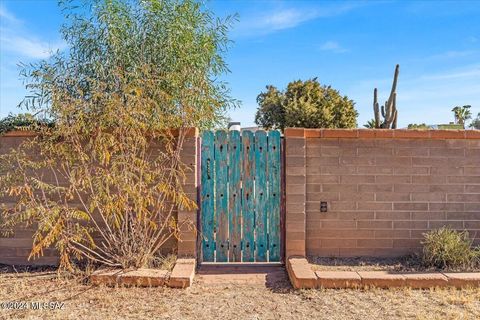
{"x": 190, "y": 132}
{"x": 381, "y": 133}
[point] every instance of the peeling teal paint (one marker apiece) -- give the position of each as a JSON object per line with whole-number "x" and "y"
{"x": 240, "y": 197}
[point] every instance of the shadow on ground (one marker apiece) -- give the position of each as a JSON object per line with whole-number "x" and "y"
{"x": 273, "y": 277}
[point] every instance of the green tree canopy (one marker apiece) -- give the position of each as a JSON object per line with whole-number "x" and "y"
{"x": 462, "y": 114}
{"x": 417, "y": 126}
{"x": 22, "y": 121}
{"x": 305, "y": 104}
{"x": 476, "y": 122}
{"x": 133, "y": 70}
{"x": 370, "y": 124}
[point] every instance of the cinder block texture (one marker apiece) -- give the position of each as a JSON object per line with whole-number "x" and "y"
{"x": 383, "y": 188}
{"x": 295, "y": 185}
{"x": 16, "y": 248}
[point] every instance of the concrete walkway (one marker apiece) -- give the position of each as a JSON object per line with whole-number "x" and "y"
{"x": 272, "y": 276}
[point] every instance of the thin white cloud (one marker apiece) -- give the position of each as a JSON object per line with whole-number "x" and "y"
{"x": 7, "y": 16}
{"x": 16, "y": 40}
{"x": 282, "y": 18}
{"x": 426, "y": 98}
{"x": 470, "y": 72}
{"x": 452, "y": 54}
{"x": 332, "y": 46}
{"x": 28, "y": 47}
{"x": 17, "y": 43}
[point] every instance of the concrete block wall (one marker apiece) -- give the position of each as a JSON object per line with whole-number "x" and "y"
{"x": 16, "y": 248}
{"x": 383, "y": 189}
{"x": 187, "y": 218}
{"x": 295, "y": 189}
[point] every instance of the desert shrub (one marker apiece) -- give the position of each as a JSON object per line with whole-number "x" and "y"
{"x": 476, "y": 122}
{"x": 416, "y": 126}
{"x": 305, "y": 104}
{"x": 164, "y": 262}
{"x": 106, "y": 181}
{"x": 22, "y": 121}
{"x": 449, "y": 249}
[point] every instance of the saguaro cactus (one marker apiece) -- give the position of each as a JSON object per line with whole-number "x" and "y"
{"x": 389, "y": 110}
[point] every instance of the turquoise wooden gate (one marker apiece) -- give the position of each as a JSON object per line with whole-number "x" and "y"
{"x": 240, "y": 196}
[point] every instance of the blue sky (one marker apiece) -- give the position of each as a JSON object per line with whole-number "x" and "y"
{"x": 352, "y": 45}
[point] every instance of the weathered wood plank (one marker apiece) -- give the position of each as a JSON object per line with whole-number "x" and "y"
{"x": 248, "y": 206}
{"x": 274, "y": 196}
{"x": 282, "y": 200}
{"x": 261, "y": 150}
{"x": 234, "y": 195}
{"x": 221, "y": 195}
{"x": 207, "y": 196}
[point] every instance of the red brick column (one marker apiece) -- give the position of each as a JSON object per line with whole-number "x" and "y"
{"x": 295, "y": 184}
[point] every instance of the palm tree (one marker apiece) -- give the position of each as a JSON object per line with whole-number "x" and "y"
{"x": 370, "y": 124}
{"x": 462, "y": 114}
{"x": 476, "y": 122}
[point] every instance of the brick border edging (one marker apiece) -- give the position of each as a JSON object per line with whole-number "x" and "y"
{"x": 302, "y": 276}
{"x": 300, "y": 273}
{"x": 381, "y": 133}
{"x": 181, "y": 276}
{"x": 139, "y": 278}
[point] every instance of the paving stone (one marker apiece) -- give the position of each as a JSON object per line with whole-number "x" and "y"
{"x": 338, "y": 279}
{"x": 301, "y": 273}
{"x": 463, "y": 279}
{"x": 182, "y": 274}
{"x": 424, "y": 280}
{"x": 382, "y": 279}
{"x": 252, "y": 275}
{"x": 142, "y": 277}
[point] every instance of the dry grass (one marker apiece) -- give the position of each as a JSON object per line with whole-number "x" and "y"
{"x": 164, "y": 262}
{"x": 401, "y": 264}
{"x": 229, "y": 301}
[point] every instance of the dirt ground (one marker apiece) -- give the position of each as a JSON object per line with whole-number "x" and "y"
{"x": 207, "y": 300}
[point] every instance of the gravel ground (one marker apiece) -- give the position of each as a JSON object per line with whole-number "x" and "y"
{"x": 228, "y": 301}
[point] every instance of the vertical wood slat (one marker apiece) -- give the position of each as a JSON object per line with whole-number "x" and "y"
{"x": 261, "y": 150}
{"x": 241, "y": 196}
{"x": 274, "y": 196}
{"x": 248, "y": 205}
{"x": 282, "y": 200}
{"x": 234, "y": 197}
{"x": 207, "y": 196}
{"x": 221, "y": 195}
